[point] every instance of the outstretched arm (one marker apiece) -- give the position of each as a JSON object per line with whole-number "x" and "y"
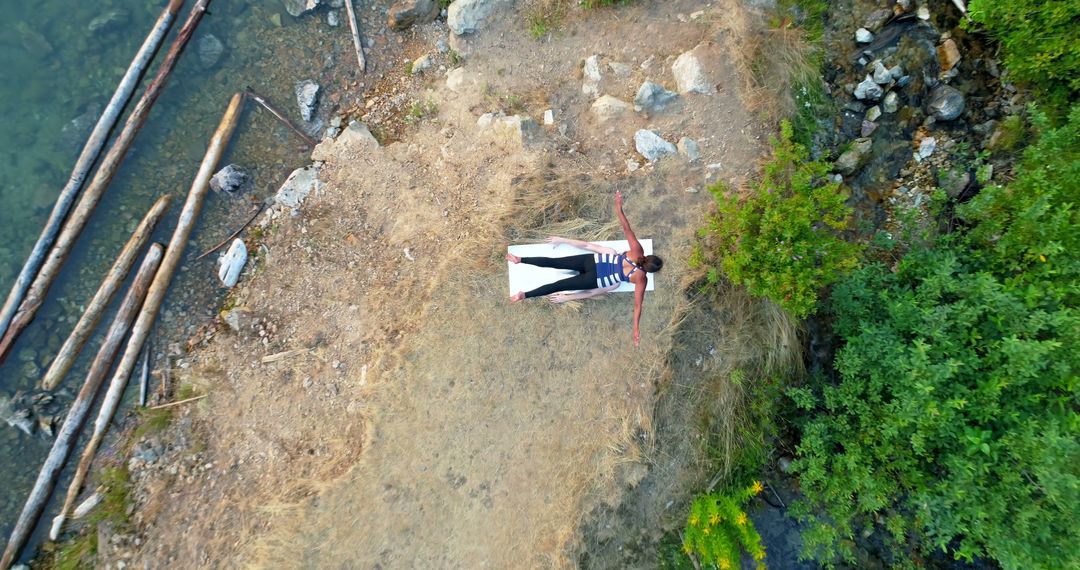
{"x": 556, "y": 240}
{"x": 636, "y": 251}
{"x": 564, "y": 297}
{"x": 639, "y": 298}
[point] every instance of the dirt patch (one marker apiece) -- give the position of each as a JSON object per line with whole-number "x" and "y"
{"x": 419, "y": 420}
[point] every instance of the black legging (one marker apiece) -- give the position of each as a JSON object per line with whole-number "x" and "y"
{"x": 584, "y": 264}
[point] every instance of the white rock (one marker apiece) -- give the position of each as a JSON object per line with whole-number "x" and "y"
{"x": 297, "y": 8}
{"x": 863, "y": 36}
{"x": 632, "y": 165}
{"x": 549, "y": 117}
{"x": 591, "y": 72}
{"x": 651, "y": 145}
{"x": 688, "y": 147}
{"x": 353, "y": 139}
{"x": 333, "y": 18}
{"x": 923, "y": 12}
{"x": 307, "y": 97}
{"x": 466, "y": 16}
{"x": 232, "y": 263}
{"x": 881, "y": 73}
{"x": 891, "y": 102}
{"x": 457, "y": 80}
{"x": 515, "y": 130}
{"x": 485, "y": 120}
{"x": 926, "y": 148}
{"x": 690, "y": 75}
{"x": 869, "y": 89}
{"x": 607, "y": 108}
{"x": 298, "y": 186}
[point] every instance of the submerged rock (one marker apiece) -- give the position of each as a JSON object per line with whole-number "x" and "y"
{"x": 111, "y": 21}
{"x": 16, "y": 416}
{"x": 945, "y": 103}
{"x": 891, "y": 102}
{"x": 406, "y": 13}
{"x": 297, "y": 8}
{"x": 651, "y": 145}
{"x": 209, "y": 49}
{"x": 75, "y": 131}
{"x": 307, "y": 97}
{"x": 230, "y": 180}
{"x": 653, "y": 98}
{"x": 230, "y": 265}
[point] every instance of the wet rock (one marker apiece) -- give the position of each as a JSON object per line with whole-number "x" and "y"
{"x": 607, "y": 108}
{"x": 877, "y": 19}
{"x": 882, "y": 76}
{"x": 591, "y": 72}
{"x": 651, "y": 145}
{"x": 230, "y": 180}
{"x": 855, "y": 157}
{"x": 209, "y": 50}
{"x": 688, "y": 147}
{"x": 297, "y": 8}
{"x": 891, "y": 102}
{"x": 75, "y": 131}
{"x": 307, "y": 97}
{"x": 867, "y": 128}
{"x": 406, "y": 13}
{"x": 111, "y": 21}
{"x": 653, "y": 98}
{"x": 15, "y": 415}
{"x": 948, "y": 55}
{"x": 301, "y": 183}
{"x": 926, "y": 148}
{"x": 954, "y": 182}
{"x": 873, "y": 113}
{"x": 945, "y": 103}
{"x": 690, "y": 75}
{"x": 466, "y": 16}
{"x": 869, "y": 89}
{"x": 421, "y": 64}
{"x": 231, "y": 264}
{"x": 863, "y": 36}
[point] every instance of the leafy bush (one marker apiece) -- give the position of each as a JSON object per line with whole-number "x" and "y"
{"x": 1040, "y": 40}
{"x": 955, "y": 423}
{"x": 718, "y": 528}
{"x": 781, "y": 241}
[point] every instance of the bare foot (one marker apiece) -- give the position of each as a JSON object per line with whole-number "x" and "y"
{"x": 513, "y": 258}
{"x": 517, "y": 296}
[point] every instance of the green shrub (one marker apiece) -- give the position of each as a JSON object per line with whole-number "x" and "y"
{"x": 781, "y": 241}
{"x": 718, "y": 528}
{"x": 1040, "y": 41}
{"x": 954, "y": 424}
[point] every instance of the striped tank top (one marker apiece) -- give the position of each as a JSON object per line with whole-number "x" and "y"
{"x": 609, "y": 269}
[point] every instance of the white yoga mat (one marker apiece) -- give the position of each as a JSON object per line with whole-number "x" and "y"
{"x": 525, "y": 277}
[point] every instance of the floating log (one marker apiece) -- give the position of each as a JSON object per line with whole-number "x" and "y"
{"x": 75, "y": 223}
{"x": 248, "y": 91}
{"x": 112, "y": 282}
{"x": 90, "y": 152}
{"x": 68, "y": 435}
{"x": 354, "y": 27}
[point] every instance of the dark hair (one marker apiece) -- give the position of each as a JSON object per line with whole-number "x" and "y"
{"x": 651, "y": 263}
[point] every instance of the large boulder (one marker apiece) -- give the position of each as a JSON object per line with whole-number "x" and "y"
{"x": 653, "y": 98}
{"x": 307, "y": 97}
{"x": 406, "y": 13}
{"x": 945, "y": 103}
{"x": 690, "y": 74}
{"x": 466, "y": 16}
{"x": 651, "y": 145}
{"x": 608, "y": 108}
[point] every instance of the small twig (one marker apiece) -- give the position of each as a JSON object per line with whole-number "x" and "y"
{"x": 273, "y": 111}
{"x": 775, "y": 495}
{"x": 254, "y": 214}
{"x": 171, "y": 404}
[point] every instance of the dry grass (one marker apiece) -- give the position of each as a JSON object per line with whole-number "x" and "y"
{"x": 547, "y": 203}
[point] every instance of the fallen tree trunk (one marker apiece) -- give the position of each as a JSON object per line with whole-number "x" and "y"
{"x": 354, "y": 28}
{"x": 116, "y": 387}
{"x": 262, "y": 101}
{"x": 90, "y": 152}
{"x": 112, "y": 282}
{"x": 68, "y": 435}
{"x": 35, "y": 296}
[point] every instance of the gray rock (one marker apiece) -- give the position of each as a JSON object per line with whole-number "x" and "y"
{"x": 230, "y": 180}
{"x": 945, "y": 103}
{"x": 231, "y": 264}
{"x": 855, "y": 157}
{"x": 607, "y": 108}
{"x": 877, "y": 19}
{"x": 336, "y": 3}
{"x": 688, "y": 147}
{"x": 297, "y": 8}
{"x": 863, "y": 36}
{"x": 111, "y": 21}
{"x": 406, "y": 13}
{"x": 867, "y": 128}
{"x": 690, "y": 75}
{"x": 896, "y": 72}
{"x": 651, "y": 146}
{"x": 891, "y": 102}
{"x": 954, "y": 182}
{"x": 881, "y": 73}
{"x": 873, "y": 113}
{"x": 923, "y": 12}
{"x": 333, "y": 18}
{"x": 15, "y": 416}
{"x": 421, "y": 64}
{"x": 209, "y": 49}
{"x": 869, "y": 89}
{"x": 307, "y": 97}
{"x": 926, "y": 148}
{"x": 466, "y": 16}
{"x": 653, "y": 98}
{"x": 239, "y": 319}
{"x": 591, "y": 72}
{"x": 619, "y": 69}
{"x": 298, "y": 186}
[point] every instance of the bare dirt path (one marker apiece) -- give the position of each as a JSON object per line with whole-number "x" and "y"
{"x": 426, "y": 422}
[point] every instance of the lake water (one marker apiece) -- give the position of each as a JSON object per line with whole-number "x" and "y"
{"x": 56, "y": 74}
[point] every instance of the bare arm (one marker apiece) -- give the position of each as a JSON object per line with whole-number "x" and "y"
{"x": 555, "y": 240}
{"x": 639, "y": 299}
{"x": 636, "y": 251}
{"x": 564, "y": 297}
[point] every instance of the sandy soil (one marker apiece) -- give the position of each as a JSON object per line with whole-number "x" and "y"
{"x": 426, "y": 422}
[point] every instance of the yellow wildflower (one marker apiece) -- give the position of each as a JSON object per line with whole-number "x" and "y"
{"x": 758, "y": 487}
{"x": 686, "y": 547}
{"x": 714, "y": 518}
{"x": 694, "y": 520}
{"x": 1042, "y": 258}
{"x": 741, "y": 520}
{"x": 759, "y": 554}
{"x": 706, "y": 531}
{"x": 724, "y": 564}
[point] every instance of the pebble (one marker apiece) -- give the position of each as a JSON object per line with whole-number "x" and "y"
{"x": 863, "y": 36}
{"x": 926, "y": 148}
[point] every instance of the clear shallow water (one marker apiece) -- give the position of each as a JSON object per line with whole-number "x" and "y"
{"x": 54, "y": 70}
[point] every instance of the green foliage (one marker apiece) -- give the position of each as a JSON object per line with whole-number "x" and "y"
{"x": 151, "y": 421}
{"x": 1011, "y": 135}
{"x": 954, "y": 424}
{"x": 718, "y": 528}
{"x": 601, "y": 3}
{"x": 454, "y": 59}
{"x": 78, "y": 553}
{"x": 1040, "y": 40}
{"x": 781, "y": 240}
{"x": 116, "y": 499}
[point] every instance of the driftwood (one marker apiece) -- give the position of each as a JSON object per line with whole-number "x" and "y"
{"x": 112, "y": 282}
{"x": 254, "y": 214}
{"x": 265, "y": 104}
{"x": 354, "y": 28}
{"x": 144, "y": 376}
{"x": 75, "y": 223}
{"x": 90, "y": 152}
{"x": 68, "y": 435}
{"x": 112, "y": 397}
{"x": 184, "y": 401}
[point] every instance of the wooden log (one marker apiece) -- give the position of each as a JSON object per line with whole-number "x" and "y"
{"x": 90, "y": 152}
{"x": 144, "y": 376}
{"x": 112, "y": 396}
{"x": 68, "y": 435}
{"x": 265, "y": 104}
{"x": 75, "y": 223}
{"x": 112, "y": 282}
{"x": 354, "y": 28}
